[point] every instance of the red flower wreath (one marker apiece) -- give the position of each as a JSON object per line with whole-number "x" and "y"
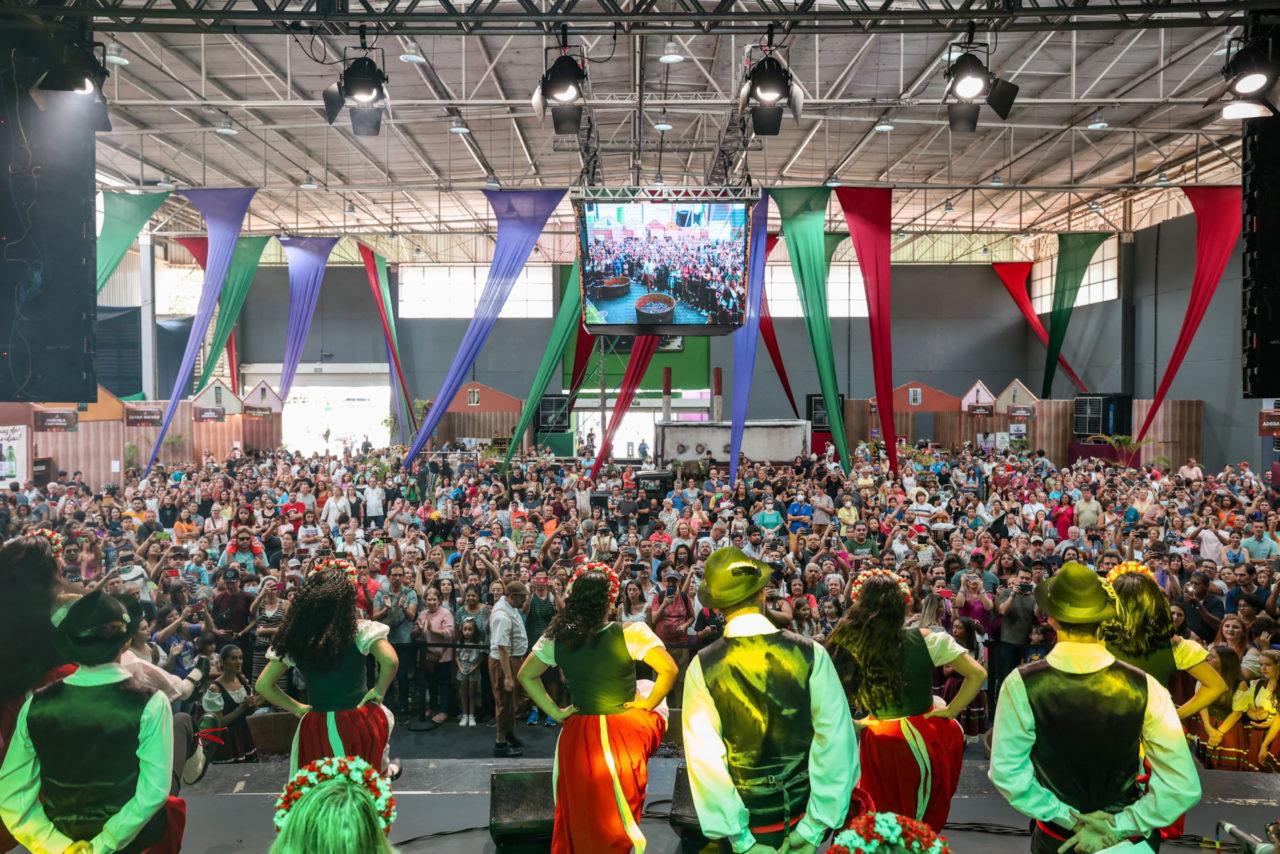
{"x": 353, "y": 769}
{"x": 855, "y": 588}
{"x": 338, "y": 563}
{"x": 602, "y": 568}
{"x": 53, "y": 538}
{"x": 888, "y": 833}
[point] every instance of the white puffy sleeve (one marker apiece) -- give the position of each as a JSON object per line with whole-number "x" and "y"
{"x": 545, "y": 651}
{"x": 943, "y": 648}
{"x": 1187, "y": 653}
{"x": 640, "y": 640}
{"x": 369, "y": 632}
{"x": 212, "y": 700}
{"x": 272, "y": 655}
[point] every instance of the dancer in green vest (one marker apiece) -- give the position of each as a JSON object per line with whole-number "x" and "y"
{"x": 771, "y": 751}
{"x": 614, "y": 723}
{"x": 1072, "y": 730}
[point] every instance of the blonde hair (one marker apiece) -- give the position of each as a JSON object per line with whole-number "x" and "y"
{"x": 336, "y": 815}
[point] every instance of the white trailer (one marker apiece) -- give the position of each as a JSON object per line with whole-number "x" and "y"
{"x": 765, "y": 441}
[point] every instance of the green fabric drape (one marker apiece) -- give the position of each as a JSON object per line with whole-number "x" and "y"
{"x": 123, "y": 216}
{"x": 244, "y": 264}
{"x": 804, "y": 215}
{"x": 1074, "y": 253}
{"x": 563, "y": 332}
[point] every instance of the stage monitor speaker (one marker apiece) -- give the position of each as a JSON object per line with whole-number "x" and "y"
{"x": 47, "y": 229}
{"x": 553, "y": 414}
{"x": 522, "y": 811}
{"x": 684, "y": 816}
{"x": 815, "y": 411}
{"x": 1260, "y": 303}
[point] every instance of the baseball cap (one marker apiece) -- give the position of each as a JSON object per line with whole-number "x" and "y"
{"x": 294, "y": 563}
{"x": 230, "y": 574}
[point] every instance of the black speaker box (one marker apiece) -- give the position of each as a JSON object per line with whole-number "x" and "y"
{"x": 684, "y": 817}
{"x": 1260, "y": 304}
{"x": 522, "y": 811}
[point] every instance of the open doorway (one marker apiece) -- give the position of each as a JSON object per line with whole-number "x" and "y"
{"x": 348, "y": 413}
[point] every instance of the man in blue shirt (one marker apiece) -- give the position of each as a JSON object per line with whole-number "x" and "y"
{"x": 1261, "y": 546}
{"x": 799, "y": 517}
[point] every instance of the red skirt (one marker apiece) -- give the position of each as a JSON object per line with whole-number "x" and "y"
{"x": 911, "y": 766}
{"x": 1257, "y": 760}
{"x": 1232, "y": 752}
{"x": 601, "y": 770}
{"x": 362, "y": 732}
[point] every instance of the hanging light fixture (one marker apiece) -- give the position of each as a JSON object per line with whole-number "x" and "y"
{"x": 768, "y": 86}
{"x": 361, "y": 88}
{"x": 1249, "y": 77}
{"x": 1095, "y": 206}
{"x": 412, "y": 54}
{"x": 970, "y": 82}
{"x": 308, "y": 182}
{"x": 671, "y": 54}
{"x": 227, "y": 127}
{"x": 884, "y": 125}
{"x": 1163, "y": 179}
{"x": 115, "y": 55}
{"x": 833, "y": 181}
{"x": 663, "y": 124}
{"x": 459, "y": 127}
{"x": 1098, "y": 122}
{"x": 165, "y": 183}
{"x": 350, "y": 209}
{"x": 996, "y": 180}
{"x": 948, "y": 206}
{"x": 562, "y": 85}
{"x": 491, "y": 182}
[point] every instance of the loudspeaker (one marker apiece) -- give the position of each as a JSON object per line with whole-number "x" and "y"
{"x": 1260, "y": 303}
{"x": 553, "y": 414}
{"x": 522, "y": 811}
{"x": 815, "y": 410}
{"x": 1103, "y": 415}
{"x": 47, "y": 229}
{"x": 684, "y": 817}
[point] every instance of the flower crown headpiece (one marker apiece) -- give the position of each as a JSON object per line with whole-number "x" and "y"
{"x": 351, "y": 768}
{"x": 602, "y": 568}
{"x": 52, "y": 537}
{"x": 1130, "y": 566}
{"x": 855, "y": 588}
{"x": 885, "y": 832}
{"x": 346, "y": 566}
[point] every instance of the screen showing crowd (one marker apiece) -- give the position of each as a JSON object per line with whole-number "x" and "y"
{"x": 663, "y": 268}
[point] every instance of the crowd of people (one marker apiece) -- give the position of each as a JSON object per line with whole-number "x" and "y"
{"x": 707, "y": 275}
{"x": 351, "y": 591}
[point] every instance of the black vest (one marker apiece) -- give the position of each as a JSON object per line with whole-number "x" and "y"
{"x": 86, "y": 738}
{"x": 600, "y": 673}
{"x": 1088, "y": 733}
{"x": 760, "y": 687}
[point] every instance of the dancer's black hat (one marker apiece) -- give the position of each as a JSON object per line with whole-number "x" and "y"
{"x": 1075, "y": 595}
{"x": 731, "y": 577}
{"x": 94, "y": 630}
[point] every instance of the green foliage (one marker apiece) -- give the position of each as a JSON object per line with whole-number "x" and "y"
{"x": 130, "y": 455}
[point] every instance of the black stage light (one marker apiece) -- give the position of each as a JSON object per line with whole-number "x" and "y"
{"x": 1248, "y": 77}
{"x": 968, "y": 77}
{"x": 362, "y": 89}
{"x": 969, "y": 82}
{"x": 81, "y": 74}
{"x": 1250, "y": 71}
{"x": 563, "y": 84}
{"x": 768, "y": 86}
{"x": 770, "y": 80}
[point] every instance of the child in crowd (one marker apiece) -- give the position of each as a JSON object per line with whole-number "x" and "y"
{"x": 1037, "y": 646}
{"x": 468, "y": 663}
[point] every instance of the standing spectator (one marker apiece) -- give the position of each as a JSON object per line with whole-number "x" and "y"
{"x": 374, "y": 504}
{"x": 508, "y": 645}
{"x": 1017, "y": 609}
{"x": 436, "y": 628}
{"x": 232, "y": 612}
{"x": 397, "y": 607}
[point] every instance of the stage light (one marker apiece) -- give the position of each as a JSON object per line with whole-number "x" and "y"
{"x": 459, "y": 127}
{"x": 226, "y": 128}
{"x": 308, "y": 182}
{"x": 80, "y": 71}
{"x": 1250, "y": 70}
{"x": 1247, "y": 108}
{"x": 671, "y": 54}
{"x": 412, "y": 55}
{"x": 361, "y": 88}
{"x": 663, "y": 124}
{"x": 969, "y": 82}
{"x": 1098, "y": 122}
{"x": 115, "y": 55}
{"x": 563, "y": 84}
{"x": 770, "y": 85}
{"x": 884, "y": 125}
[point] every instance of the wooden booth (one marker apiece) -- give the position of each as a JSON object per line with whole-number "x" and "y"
{"x": 480, "y": 412}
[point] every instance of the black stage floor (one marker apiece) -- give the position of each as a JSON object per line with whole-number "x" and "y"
{"x": 444, "y": 807}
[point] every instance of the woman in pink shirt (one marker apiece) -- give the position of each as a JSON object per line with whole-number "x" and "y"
{"x": 435, "y": 626}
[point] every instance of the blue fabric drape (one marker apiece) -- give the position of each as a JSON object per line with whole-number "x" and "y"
{"x": 746, "y": 338}
{"x": 521, "y": 216}
{"x": 223, "y": 212}
{"x": 307, "y": 257}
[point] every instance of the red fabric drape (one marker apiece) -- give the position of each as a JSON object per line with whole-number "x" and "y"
{"x": 197, "y": 246}
{"x": 375, "y": 285}
{"x": 1218, "y": 224}
{"x": 869, "y": 214}
{"x": 231, "y": 363}
{"x": 581, "y": 359}
{"x": 642, "y": 350}
{"x": 1014, "y": 276}
{"x": 770, "y": 335}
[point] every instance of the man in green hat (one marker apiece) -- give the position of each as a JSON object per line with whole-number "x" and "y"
{"x": 768, "y": 739}
{"x": 1072, "y": 730}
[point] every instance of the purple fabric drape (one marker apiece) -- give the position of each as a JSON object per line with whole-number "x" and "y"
{"x": 521, "y": 216}
{"x": 747, "y": 336}
{"x": 307, "y": 257}
{"x": 223, "y": 212}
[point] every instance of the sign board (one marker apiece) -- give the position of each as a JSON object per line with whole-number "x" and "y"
{"x": 14, "y": 462}
{"x": 1269, "y": 422}
{"x": 1021, "y": 410}
{"x": 257, "y": 411}
{"x": 981, "y": 409}
{"x": 208, "y": 413}
{"x": 56, "y": 420}
{"x": 143, "y": 416}
{"x": 1018, "y": 429}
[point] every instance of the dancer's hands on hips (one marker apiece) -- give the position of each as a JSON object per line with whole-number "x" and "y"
{"x": 300, "y": 710}
{"x": 371, "y": 696}
{"x": 563, "y": 714}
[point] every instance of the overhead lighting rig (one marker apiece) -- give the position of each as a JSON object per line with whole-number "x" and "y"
{"x": 970, "y": 82}
{"x": 767, "y": 87}
{"x": 81, "y": 72}
{"x": 1249, "y": 77}
{"x": 563, "y": 85}
{"x": 361, "y": 88}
